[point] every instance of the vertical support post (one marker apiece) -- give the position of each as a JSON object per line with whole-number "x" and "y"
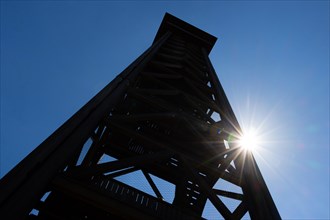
{"x": 259, "y": 201}
{"x": 221, "y": 98}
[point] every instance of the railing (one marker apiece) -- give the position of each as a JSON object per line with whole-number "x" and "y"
{"x": 138, "y": 199}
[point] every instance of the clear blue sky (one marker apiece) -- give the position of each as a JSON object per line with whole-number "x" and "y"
{"x": 272, "y": 59}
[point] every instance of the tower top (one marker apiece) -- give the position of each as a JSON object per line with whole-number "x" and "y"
{"x": 178, "y": 26}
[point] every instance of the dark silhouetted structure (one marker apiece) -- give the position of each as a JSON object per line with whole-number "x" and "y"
{"x": 167, "y": 116}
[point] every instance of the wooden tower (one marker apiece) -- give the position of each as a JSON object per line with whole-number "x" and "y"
{"x": 166, "y": 116}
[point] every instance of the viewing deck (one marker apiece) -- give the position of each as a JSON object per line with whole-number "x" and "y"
{"x": 104, "y": 198}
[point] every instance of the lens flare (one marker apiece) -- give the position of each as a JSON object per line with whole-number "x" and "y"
{"x": 249, "y": 140}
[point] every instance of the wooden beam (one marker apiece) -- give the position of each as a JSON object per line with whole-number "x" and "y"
{"x": 84, "y": 172}
{"x": 153, "y": 185}
{"x": 205, "y": 188}
{"x": 228, "y": 194}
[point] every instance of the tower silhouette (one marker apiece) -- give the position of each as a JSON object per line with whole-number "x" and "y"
{"x": 165, "y": 117}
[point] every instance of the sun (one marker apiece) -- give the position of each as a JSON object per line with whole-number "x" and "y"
{"x": 249, "y": 140}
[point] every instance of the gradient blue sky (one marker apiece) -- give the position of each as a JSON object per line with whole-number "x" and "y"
{"x": 272, "y": 59}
